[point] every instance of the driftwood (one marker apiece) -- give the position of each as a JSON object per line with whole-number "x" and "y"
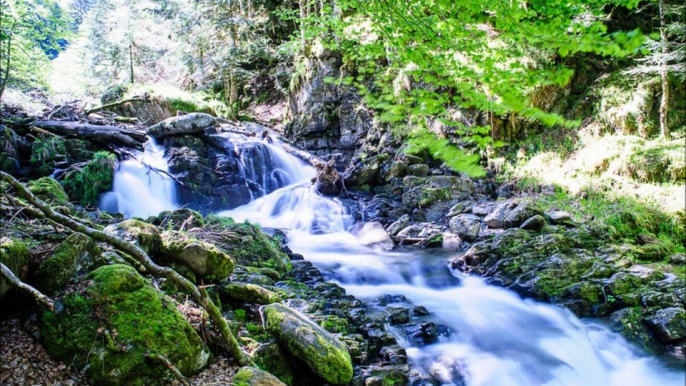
{"x": 198, "y": 295}
{"x": 108, "y": 135}
{"x": 115, "y": 104}
{"x": 15, "y": 282}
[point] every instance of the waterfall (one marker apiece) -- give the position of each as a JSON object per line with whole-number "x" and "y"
{"x": 140, "y": 187}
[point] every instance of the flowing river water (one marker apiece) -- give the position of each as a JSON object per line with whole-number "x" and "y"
{"x": 493, "y": 336}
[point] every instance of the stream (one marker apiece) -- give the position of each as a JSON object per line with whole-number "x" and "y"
{"x": 493, "y": 336}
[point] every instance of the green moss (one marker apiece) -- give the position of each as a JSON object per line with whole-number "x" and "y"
{"x": 335, "y": 324}
{"x": 86, "y": 184}
{"x": 45, "y": 153}
{"x": 250, "y": 293}
{"x": 173, "y": 220}
{"x": 272, "y": 358}
{"x": 14, "y": 255}
{"x": 323, "y": 353}
{"x": 77, "y": 252}
{"x": 251, "y": 247}
{"x": 49, "y": 190}
{"x": 110, "y": 329}
{"x": 145, "y": 235}
{"x": 250, "y": 376}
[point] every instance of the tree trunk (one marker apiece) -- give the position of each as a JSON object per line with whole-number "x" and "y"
{"x": 131, "y": 61}
{"x": 664, "y": 74}
{"x": 3, "y": 82}
{"x": 301, "y": 3}
{"x": 107, "y": 135}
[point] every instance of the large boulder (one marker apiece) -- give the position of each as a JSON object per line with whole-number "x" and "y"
{"x": 398, "y": 225}
{"x": 142, "y": 234}
{"x": 271, "y": 357}
{"x": 113, "y": 329}
{"x": 184, "y": 124}
{"x": 669, "y": 324}
{"x": 77, "y": 254}
{"x": 204, "y": 259}
{"x": 14, "y": 255}
{"x": 466, "y": 226}
{"x": 251, "y": 376}
{"x": 249, "y": 246}
{"x": 520, "y": 213}
{"x": 372, "y": 234}
{"x": 322, "y": 352}
{"x": 496, "y": 218}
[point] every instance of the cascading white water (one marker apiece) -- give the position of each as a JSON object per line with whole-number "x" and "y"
{"x": 498, "y": 338}
{"x": 140, "y": 187}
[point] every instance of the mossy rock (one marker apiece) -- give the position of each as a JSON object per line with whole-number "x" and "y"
{"x": 327, "y": 356}
{"x": 172, "y": 220}
{"x": 109, "y": 330}
{"x": 251, "y": 376}
{"x": 78, "y": 253}
{"x": 251, "y": 247}
{"x": 272, "y": 358}
{"x": 202, "y": 258}
{"x": 144, "y": 235}
{"x": 249, "y": 293}
{"x": 49, "y": 190}
{"x": 14, "y": 255}
{"x": 86, "y": 184}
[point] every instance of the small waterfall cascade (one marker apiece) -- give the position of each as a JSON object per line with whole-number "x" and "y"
{"x": 495, "y": 337}
{"x": 261, "y": 166}
{"x": 141, "y": 187}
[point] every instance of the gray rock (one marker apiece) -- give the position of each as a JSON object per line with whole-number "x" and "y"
{"x": 678, "y": 259}
{"x": 560, "y": 217}
{"x": 520, "y": 213}
{"x": 466, "y": 226}
{"x": 398, "y": 225}
{"x": 533, "y": 223}
{"x": 496, "y": 218}
{"x": 481, "y": 210}
{"x": 372, "y": 234}
{"x": 669, "y": 323}
{"x": 459, "y": 208}
{"x": 420, "y": 170}
{"x": 391, "y": 170}
{"x": 184, "y": 124}
{"x": 398, "y": 315}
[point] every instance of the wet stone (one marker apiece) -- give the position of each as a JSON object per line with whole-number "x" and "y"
{"x": 420, "y": 311}
{"x": 398, "y": 315}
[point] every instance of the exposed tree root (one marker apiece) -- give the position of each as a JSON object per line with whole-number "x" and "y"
{"x": 16, "y": 282}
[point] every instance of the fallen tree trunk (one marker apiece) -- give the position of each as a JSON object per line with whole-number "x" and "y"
{"x": 200, "y": 296}
{"x": 108, "y": 135}
{"x": 115, "y": 104}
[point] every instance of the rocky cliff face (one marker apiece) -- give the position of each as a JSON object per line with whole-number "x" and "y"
{"x": 328, "y": 119}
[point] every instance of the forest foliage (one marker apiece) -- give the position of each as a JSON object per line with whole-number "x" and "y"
{"x": 419, "y": 64}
